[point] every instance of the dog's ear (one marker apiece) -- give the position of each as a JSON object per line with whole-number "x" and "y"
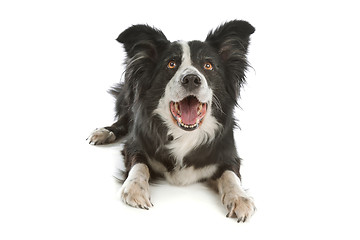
{"x": 143, "y": 46}
{"x": 144, "y": 40}
{"x": 231, "y": 41}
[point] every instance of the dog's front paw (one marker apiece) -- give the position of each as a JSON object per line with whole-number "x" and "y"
{"x": 135, "y": 192}
{"x": 101, "y": 136}
{"x": 239, "y": 206}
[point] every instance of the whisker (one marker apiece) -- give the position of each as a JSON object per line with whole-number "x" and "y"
{"x": 217, "y": 103}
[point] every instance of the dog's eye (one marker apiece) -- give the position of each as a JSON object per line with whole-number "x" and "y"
{"x": 171, "y": 64}
{"x": 208, "y": 66}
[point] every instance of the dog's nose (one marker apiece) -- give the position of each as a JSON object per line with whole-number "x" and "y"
{"x": 191, "y": 81}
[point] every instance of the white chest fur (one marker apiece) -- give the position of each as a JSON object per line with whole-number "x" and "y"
{"x": 183, "y": 175}
{"x": 189, "y": 175}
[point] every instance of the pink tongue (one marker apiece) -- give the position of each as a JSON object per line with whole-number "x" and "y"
{"x": 188, "y": 109}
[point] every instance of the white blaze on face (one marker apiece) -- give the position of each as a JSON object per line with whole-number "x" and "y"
{"x": 176, "y": 92}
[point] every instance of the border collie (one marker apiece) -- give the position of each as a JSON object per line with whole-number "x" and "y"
{"x": 175, "y": 113}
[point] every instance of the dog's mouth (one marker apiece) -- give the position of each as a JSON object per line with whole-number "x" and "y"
{"x": 188, "y": 113}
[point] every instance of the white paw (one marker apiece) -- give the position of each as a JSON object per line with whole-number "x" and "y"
{"x": 135, "y": 192}
{"x": 239, "y": 206}
{"x": 101, "y": 136}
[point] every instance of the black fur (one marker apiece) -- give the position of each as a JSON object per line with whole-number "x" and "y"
{"x": 144, "y": 133}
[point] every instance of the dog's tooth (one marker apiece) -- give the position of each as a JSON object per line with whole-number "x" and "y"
{"x": 177, "y": 108}
{"x": 199, "y": 110}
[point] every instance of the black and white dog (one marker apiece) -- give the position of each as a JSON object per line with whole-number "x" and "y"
{"x": 175, "y": 113}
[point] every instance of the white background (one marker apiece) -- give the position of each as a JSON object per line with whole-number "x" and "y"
{"x": 299, "y": 119}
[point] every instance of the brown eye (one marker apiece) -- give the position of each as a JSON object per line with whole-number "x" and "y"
{"x": 171, "y": 64}
{"x": 208, "y": 66}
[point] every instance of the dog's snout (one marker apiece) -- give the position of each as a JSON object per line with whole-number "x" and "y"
{"x": 191, "y": 81}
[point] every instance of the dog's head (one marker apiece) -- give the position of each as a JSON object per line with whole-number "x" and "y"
{"x": 191, "y": 85}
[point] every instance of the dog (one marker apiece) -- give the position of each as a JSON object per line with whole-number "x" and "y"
{"x": 175, "y": 113}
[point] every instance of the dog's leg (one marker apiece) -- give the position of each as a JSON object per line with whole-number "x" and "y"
{"x": 101, "y": 136}
{"x": 135, "y": 190}
{"x": 109, "y": 134}
{"x": 234, "y": 197}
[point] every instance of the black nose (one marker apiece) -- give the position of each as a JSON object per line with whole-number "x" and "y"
{"x": 191, "y": 81}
